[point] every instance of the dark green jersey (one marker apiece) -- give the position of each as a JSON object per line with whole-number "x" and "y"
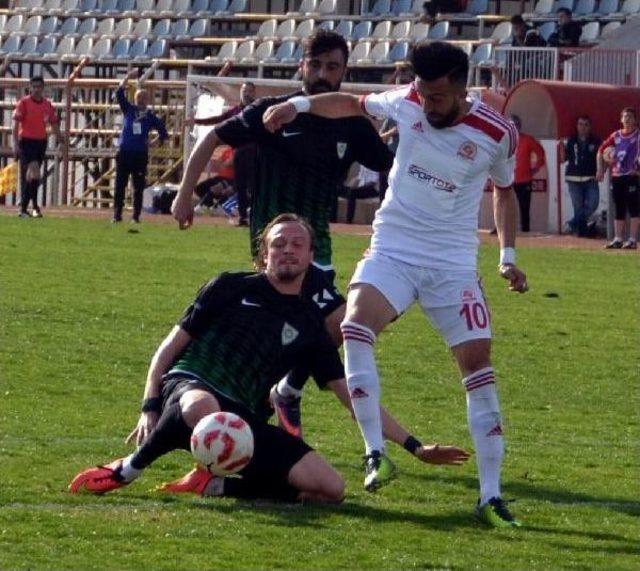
{"x": 247, "y": 336}
{"x": 300, "y": 168}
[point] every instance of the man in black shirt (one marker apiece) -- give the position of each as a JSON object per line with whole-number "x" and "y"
{"x": 567, "y": 34}
{"x": 241, "y": 334}
{"x": 298, "y": 169}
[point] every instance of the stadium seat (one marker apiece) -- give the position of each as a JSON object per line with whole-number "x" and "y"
{"x": 483, "y": 55}
{"x": 50, "y": 8}
{"x": 123, "y": 27}
{"x": 109, "y": 7}
{"x": 263, "y": 52}
{"x": 419, "y": 32}
{"x": 82, "y": 48}
{"x": 102, "y": 49}
{"x": 142, "y": 29}
{"x": 121, "y": 48}
{"x": 11, "y": 45}
{"x": 158, "y": 49}
{"x": 360, "y": 52}
{"x": 199, "y": 8}
{"x": 49, "y": 25}
{"x": 127, "y": 8}
{"x": 399, "y": 7}
{"x": 327, "y": 7}
{"x": 105, "y": 27}
{"x": 26, "y": 6}
{"x": 590, "y": 33}
{"x": 284, "y": 52}
{"x": 568, "y": 4}
{"x": 328, "y": 25}
{"x": 162, "y": 28}
{"x": 28, "y": 48}
{"x": 296, "y": 57}
{"x": 380, "y": 32}
{"x": 146, "y": 8}
{"x": 542, "y": 10}
{"x": 198, "y": 29}
{"x": 182, "y": 8}
{"x": 361, "y": 30}
{"x": 440, "y": 31}
{"x": 628, "y": 8}
{"x": 180, "y": 28}
{"x": 66, "y": 47}
{"x": 416, "y": 8}
{"x": 345, "y": 29}
{"x": 245, "y": 49}
{"x": 266, "y": 30}
{"x": 304, "y": 29}
{"x": 546, "y": 29}
{"x": 46, "y": 47}
{"x": 401, "y": 31}
{"x": 584, "y": 9}
{"x": 164, "y": 8}
{"x": 380, "y": 8}
{"x": 218, "y": 6}
{"x": 285, "y": 29}
{"x": 86, "y": 8}
{"x": 225, "y": 53}
{"x": 68, "y": 28}
{"x": 501, "y": 33}
{"x": 30, "y": 27}
{"x": 380, "y": 53}
{"x": 609, "y": 28}
{"x": 3, "y": 21}
{"x": 606, "y": 7}
{"x": 138, "y": 49}
{"x": 306, "y": 7}
{"x": 399, "y": 52}
{"x": 237, "y": 7}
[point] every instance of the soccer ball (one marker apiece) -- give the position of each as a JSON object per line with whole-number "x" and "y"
{"x": 223, "y": 443}
{"x": 609, "y": 155}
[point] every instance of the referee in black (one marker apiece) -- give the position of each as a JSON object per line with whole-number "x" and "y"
{"x": 133, "y": 152}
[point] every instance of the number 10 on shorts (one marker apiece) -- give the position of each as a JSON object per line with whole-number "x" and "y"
{"x": 475, "y": 314}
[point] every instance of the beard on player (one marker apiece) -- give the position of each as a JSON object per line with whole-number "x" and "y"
{"x": 319, "y": 86}
{"x": 444, "y": 120}
{"x": 289, "y": 269}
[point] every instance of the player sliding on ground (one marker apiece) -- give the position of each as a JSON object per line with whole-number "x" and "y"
{"x": 243, "y": 332}
{"x": 424, "y": 246}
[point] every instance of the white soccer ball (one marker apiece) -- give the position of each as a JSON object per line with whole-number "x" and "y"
{"x": 223, "y": 443}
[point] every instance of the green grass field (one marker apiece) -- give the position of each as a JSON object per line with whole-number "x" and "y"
{"x": 83, "y": 306}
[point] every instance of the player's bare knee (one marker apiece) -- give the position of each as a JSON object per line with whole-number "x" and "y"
{"x": 197, "y": 404}
{"x": 333, "y": 489}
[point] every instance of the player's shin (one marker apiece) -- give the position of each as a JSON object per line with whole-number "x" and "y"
{"x": 171, "y": 433}
{"x": 485, "y": 425}
{"x": 363, "y": 382}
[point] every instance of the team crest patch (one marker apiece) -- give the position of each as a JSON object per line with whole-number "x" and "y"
{"x": 468, "y": 150}
{"x": 468, "y": 294}
{"x": 341, "y": 147}
{"x": 289, "y": 334}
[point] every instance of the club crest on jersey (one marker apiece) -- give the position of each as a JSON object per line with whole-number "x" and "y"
{"x": 289, "y": 334}
{"x": 417, "y": 127}
{"x": 468, "y": 294}
{"x": 468, "y": 150}
{"x": 341, "y": 147}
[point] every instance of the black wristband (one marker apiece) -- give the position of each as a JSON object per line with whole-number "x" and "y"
{"x": 411, "y": 444}
{"x": 153, "y": 404}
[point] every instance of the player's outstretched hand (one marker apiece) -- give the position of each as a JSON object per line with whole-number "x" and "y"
{"x": 436, "y": 454}
{"x": 146, "y": 423}
{"x": 517, "y": 278}
{"x": 182, "y": 210}
{"x": 278, "y": 115}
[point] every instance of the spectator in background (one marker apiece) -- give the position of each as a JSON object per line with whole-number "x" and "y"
{"x": 220, "y": 186}
{"x": 133, "y": 153}
{"x": 244, "y": 157}
{"x": 529, "y": 160}
{"x": 364, "y": 184}
{"x": 432, "y": 8}
{"x": 567, "y": 34}
{"x": 580, "y": 152}
{"x": 621, "y": 150}
{"x": 32, "y": 115}
{"x": 523, "y": 35}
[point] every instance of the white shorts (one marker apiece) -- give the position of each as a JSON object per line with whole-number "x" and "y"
{"x": 452, "y": 300}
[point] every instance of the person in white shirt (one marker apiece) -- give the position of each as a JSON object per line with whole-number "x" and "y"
{"x": 424, "y": 247}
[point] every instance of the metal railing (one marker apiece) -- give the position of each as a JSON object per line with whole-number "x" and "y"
{"x": 518, "y": 64}
{"x": 615, "y": 67}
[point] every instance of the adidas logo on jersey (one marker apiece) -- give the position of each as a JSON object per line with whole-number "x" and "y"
{"x": 495, "y": 431}
{"x": 289, "y": 334}
{"x": 358, "y": 393}
{"x": 418, "y": 127}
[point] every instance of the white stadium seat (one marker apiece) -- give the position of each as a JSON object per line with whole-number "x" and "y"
{"x": 49, "y": 25}
{"x": 303, "y": 29}
{"x": 328, "y": 25}
{"x": 245, "y": 49}
{"x": 284, "y": 52}
{"x": 263, "y": 52}
{"x": 344, "y": 28}
{"x": 590, "y": 33}
{"x": 501, "y": 33}
{"x": 380, "y": 32}
{"x": 359, "y": 52}
{"x": 419, "y": 32}
{"x": 306, "y": 7}
{"x": 266, "y": 30}
{"x": 102, "y": 49}
{"x": 609, "y": 28}
{"x": 225, "y": 53}
{"x": 361, "y": 30}
{"x": 11, "y": 45}
{"x": 401, "y": 31}
{"x": 327, "y": 7}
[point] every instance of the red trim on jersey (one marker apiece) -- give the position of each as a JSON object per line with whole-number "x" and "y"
{"x": 481, "y": 124}
{"x": 363, "y": 104}
{"x": 413, "y": 96}
{"x": 495, "y": 117}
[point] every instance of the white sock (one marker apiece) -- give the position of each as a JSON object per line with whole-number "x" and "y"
{"x": 128, "y": 472}
{"x": 485, "y": 425}
{"x": 286, "y": 390}
{"x": 362, "y": 380}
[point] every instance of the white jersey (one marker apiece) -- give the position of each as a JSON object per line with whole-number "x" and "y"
{"x": 429, "y": 217}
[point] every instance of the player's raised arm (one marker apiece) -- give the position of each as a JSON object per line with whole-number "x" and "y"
{"x": 330, "y": 105}
{"x": 182, "y": 207}
{"x": 394, "y": 431}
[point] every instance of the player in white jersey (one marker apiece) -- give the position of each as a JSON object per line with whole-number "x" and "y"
{"x": 424, "y": 247}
